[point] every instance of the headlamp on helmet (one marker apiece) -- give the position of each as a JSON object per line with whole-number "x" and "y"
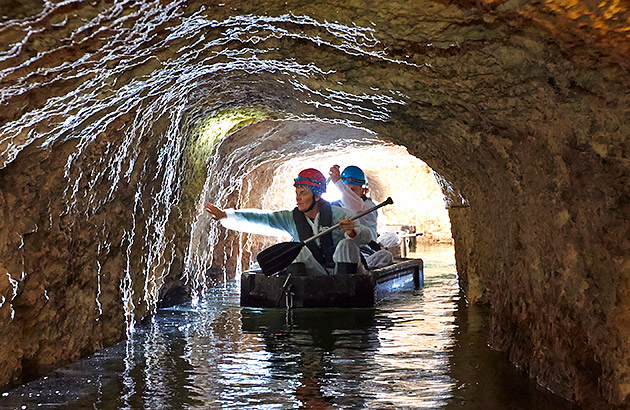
{"x": 353, "y": 175}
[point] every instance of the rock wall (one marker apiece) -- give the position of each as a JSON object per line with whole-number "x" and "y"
{"x": 59, "y": 308}
{"x": 522, "y": 107}
{"x": 543, "y": 167}
{"x": 547, "y": 249}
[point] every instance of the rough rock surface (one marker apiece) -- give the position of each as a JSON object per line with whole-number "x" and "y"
{"x": 521, "y": 107}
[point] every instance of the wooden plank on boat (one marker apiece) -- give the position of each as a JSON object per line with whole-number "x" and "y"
{"x": 360, "y": 290}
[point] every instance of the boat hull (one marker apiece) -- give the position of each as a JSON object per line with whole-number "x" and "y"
{"x": 360, "y": 290}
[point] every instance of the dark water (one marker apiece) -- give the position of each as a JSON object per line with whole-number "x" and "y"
{"x": 424, "y": 349}
{"x": 131, "y": 84}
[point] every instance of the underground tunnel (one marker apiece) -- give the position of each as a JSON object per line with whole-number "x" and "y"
{"x": 120, "y": 119}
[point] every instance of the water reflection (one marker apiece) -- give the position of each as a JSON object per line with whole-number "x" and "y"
{"x": 322, "y": 351}
{"x": 421, "y": 350}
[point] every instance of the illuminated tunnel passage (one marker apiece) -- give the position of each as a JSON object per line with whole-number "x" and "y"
{"x": 521, "y": 107}
{"x": 253, "y": 176}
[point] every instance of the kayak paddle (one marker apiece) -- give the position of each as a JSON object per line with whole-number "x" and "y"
{"x": 279, "y": 256}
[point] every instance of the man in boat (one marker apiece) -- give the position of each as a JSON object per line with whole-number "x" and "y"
{"x": 353, "y": 185}
{"x": 335, "y": 252}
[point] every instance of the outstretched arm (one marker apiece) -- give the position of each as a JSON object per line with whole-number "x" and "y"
{"x": 349, "y": 199}
{"x": 274, "y": 223}
{"x": 216, "y": 212}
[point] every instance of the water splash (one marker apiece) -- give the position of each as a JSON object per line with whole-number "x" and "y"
{"x": 129, "y": 384}
{"x": 452, "y": 196}
{"x": 14, "y": 286}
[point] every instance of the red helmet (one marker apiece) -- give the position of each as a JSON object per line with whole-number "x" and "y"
{"x": 313, "y": 178}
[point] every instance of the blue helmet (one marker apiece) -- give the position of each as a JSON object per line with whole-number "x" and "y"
{"x": 353, "y": 175}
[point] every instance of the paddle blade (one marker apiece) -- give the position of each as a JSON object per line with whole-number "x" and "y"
{"x": 278, "y": 256}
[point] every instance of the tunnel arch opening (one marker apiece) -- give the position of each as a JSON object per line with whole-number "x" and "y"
{"x": 254, "y": 166}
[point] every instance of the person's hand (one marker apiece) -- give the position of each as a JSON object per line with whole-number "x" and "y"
{"x": 335, "y": 173}
{"x": 348, "y": 226}
{"x": 215, "y": 212}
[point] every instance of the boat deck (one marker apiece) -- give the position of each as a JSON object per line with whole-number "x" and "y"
{"x": 360, "y": 290}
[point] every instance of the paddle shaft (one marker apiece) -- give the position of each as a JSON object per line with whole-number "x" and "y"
{"x": 280, "y": 255}
{"x": 388, "y": 201}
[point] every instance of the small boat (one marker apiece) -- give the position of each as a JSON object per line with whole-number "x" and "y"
{"x": 348, "y": 291}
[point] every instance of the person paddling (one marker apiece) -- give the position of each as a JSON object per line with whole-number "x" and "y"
{"x": 335, "y": 252}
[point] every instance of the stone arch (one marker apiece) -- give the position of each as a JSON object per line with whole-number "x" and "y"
{"x": 522, "y": 108}
{"x": 251, "y": 177}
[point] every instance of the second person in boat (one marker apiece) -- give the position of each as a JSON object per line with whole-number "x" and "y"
{"x": 353, "y": 186}
{"x": 336, "y": 252}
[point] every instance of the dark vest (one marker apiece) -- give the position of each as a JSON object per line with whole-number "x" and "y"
{"x": 324, "y": 252}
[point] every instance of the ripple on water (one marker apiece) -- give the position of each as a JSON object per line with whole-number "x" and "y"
{"x": 405, "y": 353}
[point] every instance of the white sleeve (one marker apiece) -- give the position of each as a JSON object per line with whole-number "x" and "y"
{"x": 349, "y": 199}
{"x": 363, "y": 235}
{"x": 260, "y": 222}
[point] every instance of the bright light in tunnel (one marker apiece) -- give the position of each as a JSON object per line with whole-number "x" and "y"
{"x": 391, "y": 171}
{"x": 332, "y": 193}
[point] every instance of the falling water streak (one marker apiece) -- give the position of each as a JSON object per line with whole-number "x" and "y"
{"x": 129, "y": 386}
{"x": 169, "y": 155}
{"x": 344, "y": 102}
{"x": 200, "y": 257}
{"x": 216, "y": 172}
{"x": 452, "y": 196}
{"x": 126, "y": 284}
{"x": 14, "y": 284}
{"x": 126, "y": 289}
{"x": 241, "y": 240}
{"x": 98, "y": 289}
{"x": 164, "y": 199}
{"x": 21, "y": 252}
{"x": 107, "y": 85}
{"x": 353, "y": 37}
{"x": 232, "y": 180}
{"x": 347, "y": 122}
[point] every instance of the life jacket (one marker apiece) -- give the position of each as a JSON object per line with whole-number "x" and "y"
{"x": 323, "y": 252}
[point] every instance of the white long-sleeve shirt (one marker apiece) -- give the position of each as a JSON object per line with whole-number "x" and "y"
{"x": 356, "y": 204}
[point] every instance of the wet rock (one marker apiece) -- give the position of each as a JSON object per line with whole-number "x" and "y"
{"x": 522, "y": 108}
